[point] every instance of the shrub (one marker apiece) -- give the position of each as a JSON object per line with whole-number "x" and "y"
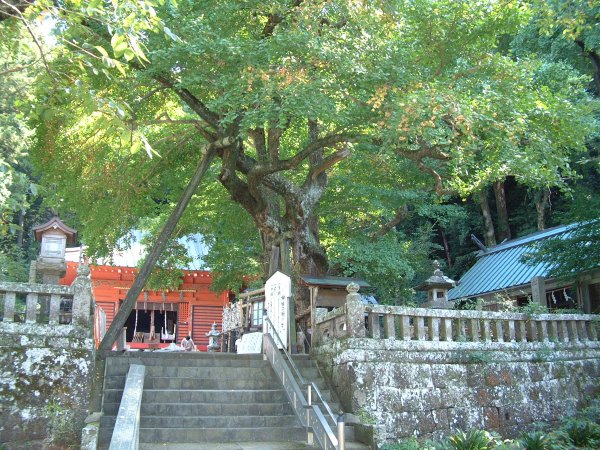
{"x": 471, "y": 440}
{"x": 583, "y": 433}
{"x": 65, "y": 426}
{"x": 534, "y": 441}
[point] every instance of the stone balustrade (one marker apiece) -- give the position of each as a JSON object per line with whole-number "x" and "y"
{"x": 47, "y": 303}
{"x": 419, "y": 324}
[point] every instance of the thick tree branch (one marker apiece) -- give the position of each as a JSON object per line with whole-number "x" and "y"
{"x": 192, "y": 101}
{"x": 401, "y": 215}
{"x": 17, "y": 8}
{"x": 258, "y": 139}
{"x": 275, "y": 19}
{"x": 595, "y": 58}
{"x": 329, "y": 162}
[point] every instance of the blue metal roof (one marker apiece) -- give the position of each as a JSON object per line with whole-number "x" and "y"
{"x": 501, "y": 266}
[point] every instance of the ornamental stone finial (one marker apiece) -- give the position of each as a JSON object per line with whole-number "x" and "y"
{"x": 352, "y": 288}
{"x": 436, "y": 268}
{"x": 83, "y": 269}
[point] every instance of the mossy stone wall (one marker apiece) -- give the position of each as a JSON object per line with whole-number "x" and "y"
{"x": 432, "y": 389}
{"x": 45, "y": 370}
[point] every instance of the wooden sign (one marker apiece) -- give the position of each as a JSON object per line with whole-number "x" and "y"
{"x": 278, "y": 290}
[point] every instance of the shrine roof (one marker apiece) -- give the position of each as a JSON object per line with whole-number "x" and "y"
{"x": 331, "y": 281}
{"x": 56, "y": 224}
{"x": 502, "y": 266}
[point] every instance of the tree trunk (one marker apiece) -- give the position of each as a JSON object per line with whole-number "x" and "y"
{"x": 541, "y": 205}
{"x": 446, "y": 247}
{"x": 21, "y": 229}
{"x": 502, "y": 211}
{"x": 489, "y": 234}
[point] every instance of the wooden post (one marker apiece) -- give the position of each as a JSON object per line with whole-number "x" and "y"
{"x": 538, "y": 290}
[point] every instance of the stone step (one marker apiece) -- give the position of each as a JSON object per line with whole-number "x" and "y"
{"x": 181, "y": 371}
{"x": 249, "y": 421}
{"x": 210, "y": 383}
{"x": 188, "y": 359}
{"x": 203, "y": 435}
{"x": 208, "y": 409}
{"x": 202, "y": 396}
{"x": 118, "y": 382}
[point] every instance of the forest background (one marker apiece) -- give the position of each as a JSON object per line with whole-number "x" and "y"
{"x": 372, "y": 136}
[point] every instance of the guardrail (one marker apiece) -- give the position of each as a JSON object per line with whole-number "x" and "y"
{"x": 310, "y": 415}
{"x": 34, "y": 302}
{"x": 126, "y": 434}
{"x": 51, "y": 304}
{"x": 419, "y": 324}
{"x": 310, "y": 386}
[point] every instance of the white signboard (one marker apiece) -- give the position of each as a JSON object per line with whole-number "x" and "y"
{"x": 278, "y": 290}
{"x": 249, "y": 343}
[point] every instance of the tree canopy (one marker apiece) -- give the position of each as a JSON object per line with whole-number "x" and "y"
{"x": 346, "y": 118}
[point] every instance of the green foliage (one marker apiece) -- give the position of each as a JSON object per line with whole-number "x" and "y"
{"x": 582, "y": 431}
{"x": 388, "y": 263}
{"x": 365, "y": 417}
{"x": 471, "y": 440}
{"x": 571, "y": 254}
{"x": 65, "y": 426}
{"x": 422, "y": 95}
{"x": 479, "y": 357}
{"x": 13, "y": 265}
{"x": 411, "y": 444}
{"x": 535, "y": 440}
{"x": 532, "y": 308}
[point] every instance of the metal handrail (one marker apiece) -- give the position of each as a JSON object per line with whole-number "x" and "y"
{"x": 323, "y": 401}
{"x": 310, "y": 416}
{"x": 287, "y": 355}
{"x": 301, "y": 379}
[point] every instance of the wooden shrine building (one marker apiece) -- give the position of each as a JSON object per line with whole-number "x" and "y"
{"x": 159, "y": 317}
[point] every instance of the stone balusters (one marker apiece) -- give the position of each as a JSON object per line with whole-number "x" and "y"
{"x": 420, "y": 324}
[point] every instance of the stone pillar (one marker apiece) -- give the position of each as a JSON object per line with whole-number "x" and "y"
{"x": 9, "y": 307}
{"x": 355, "y": 312}
{"x": 538, "y": 290}
{"x": 33, "y": 272}
{"x": 82, "y": 296}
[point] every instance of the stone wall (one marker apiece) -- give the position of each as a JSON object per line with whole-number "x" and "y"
{"x": 45, "y": 371}
{"x": 430, "y": 389}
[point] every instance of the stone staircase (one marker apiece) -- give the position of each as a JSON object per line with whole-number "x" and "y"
{"x": 310, "y": 371}
{"x": 204, "y": 401}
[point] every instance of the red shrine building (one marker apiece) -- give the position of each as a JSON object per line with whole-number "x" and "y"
{"x": 159, "y": 317}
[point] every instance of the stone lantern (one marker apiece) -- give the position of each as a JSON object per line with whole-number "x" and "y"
{"x": 437, "y": 287}
{"x": 54, "y": 236}
{"x": 213, "y": 339}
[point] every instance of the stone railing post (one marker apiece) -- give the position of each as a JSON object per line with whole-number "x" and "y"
{"x": 355, "y": 312}
{"x": 31, "y": 307}
{"x": 374, "y": 327}
{"x": 389, "y": 327}
{"x": 82, "y": 296}
{"x": 434, "y": 328}
{"x": 447, "y": 329}
{"x": 54, "y": 314}
{"x": 9, "y": 306}
{"x": 499, "y": 330}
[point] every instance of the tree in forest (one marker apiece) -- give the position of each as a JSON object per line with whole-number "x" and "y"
{"x": 412, "y": 96}
{"x": 18, "y": 190}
